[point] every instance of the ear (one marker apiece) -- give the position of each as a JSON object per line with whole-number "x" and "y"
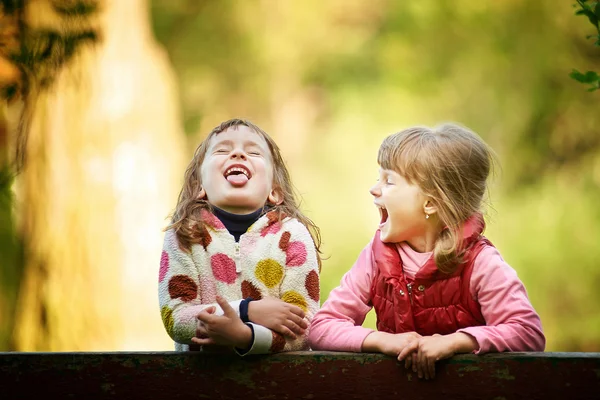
{"x": 202, "y": 194}
{"x": 275, "y": 197}
{"x": 429, "y": 208}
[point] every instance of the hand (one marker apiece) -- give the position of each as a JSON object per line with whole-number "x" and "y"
{"x": 423, "y": 353}
{"x": 226, "y": 330}
{"x": 279, "y": 316}
{"x": 389, "y": 343}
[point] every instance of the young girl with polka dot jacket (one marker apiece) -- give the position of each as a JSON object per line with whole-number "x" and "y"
{"x": 438, "y": 286}
{"x": 239, "y": 268}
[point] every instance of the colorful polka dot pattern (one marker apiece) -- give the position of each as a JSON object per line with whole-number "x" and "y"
{"x": 208, "y": 290}
{"x": 311, "y": 285}
{"x": 249, "y": 290}
{"x": 275, "y": 261}
{"x": 273, "y": 225}
{"x": 203, "y": 237}
{"x": 211, "y": 220}
{"x": 182, "y": 287}
{"x": 295, "y": 298}
{"x": 167, "y": 317}
{"x": 277, "y": 344}
{"x": 295, "y": 252}
{"x": 269, "y": 272}
{"x": 164, "y": 266}
{"x": 223, "y": 268}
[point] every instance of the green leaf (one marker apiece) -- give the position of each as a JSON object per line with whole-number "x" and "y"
{"x": 592, "y": 17}
{"x": 588, "y": 77}
{"x": 597, "y": 10}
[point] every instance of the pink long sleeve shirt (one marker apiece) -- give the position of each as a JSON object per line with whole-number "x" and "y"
{"x": 511, "y": 322}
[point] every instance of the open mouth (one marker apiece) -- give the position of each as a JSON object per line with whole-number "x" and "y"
{"x": 383, "y": 214}
{"x": 237, "y": 175}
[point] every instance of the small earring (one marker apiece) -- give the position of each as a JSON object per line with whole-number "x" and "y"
{"x": 426, "y": 216}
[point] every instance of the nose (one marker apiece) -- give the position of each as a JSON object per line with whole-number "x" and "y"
{"x": 238, "y": 153}
{"x": 375, "y": 191}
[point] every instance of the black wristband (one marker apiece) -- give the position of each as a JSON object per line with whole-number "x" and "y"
{"x": 244, "y": 309}
{"x": 247, "y": 349}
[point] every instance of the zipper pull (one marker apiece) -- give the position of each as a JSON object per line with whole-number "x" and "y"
{"x": 237, "y": 258}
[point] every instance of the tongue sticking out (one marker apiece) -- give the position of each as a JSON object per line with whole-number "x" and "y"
{"x": 237, "y": 179}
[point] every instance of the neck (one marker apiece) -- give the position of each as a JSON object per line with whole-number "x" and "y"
{"x": 426, "y": 242}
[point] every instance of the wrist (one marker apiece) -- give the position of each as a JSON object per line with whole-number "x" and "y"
{"x": 373, "y": 343}
{"x": 463, "y": 343}
{"x": 251, "y": 309}
{"x": 244, "y": 336}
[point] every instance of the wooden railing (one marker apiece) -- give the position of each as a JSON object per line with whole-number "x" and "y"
{"x": 301, "y": 375}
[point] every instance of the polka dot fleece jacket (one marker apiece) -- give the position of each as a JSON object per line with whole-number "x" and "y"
{"x": 272, "y": 259}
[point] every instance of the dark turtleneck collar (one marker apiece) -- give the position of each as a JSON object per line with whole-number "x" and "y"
{"x": 238, "y": 224}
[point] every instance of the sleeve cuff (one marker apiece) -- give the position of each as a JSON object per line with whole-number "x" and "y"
{"x": 234, "y": 304}
{"x": 263, "y": 338}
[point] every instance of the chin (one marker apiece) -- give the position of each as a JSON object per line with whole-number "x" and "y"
{"x": 386, "y": 237}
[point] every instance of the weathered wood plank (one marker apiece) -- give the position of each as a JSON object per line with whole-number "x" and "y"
{"x": 302, "y": 375}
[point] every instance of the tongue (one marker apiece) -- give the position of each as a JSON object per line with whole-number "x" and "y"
{"x": 237, "y": 180}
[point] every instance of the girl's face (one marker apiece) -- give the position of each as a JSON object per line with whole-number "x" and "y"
{"x": 402, "y": 209}
{"x": 237, "y": 171}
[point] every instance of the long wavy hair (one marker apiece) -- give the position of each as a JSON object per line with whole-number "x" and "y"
{"x": 187, "y": 221}
{"x": 451, "y": 165}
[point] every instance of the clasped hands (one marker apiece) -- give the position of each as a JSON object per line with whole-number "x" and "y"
{"x": 420, "y": 352}
{"x": 229, "y": 330}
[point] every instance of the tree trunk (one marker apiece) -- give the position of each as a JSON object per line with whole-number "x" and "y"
{"x": 103, "y": 169}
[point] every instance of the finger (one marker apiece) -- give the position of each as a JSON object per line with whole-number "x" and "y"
{"x": 409, "y": 348}
{"x": 294, "y": 327}
{"x": 415, "y": 361}
{"x": 296, "y": 310}
{"x": 419, "y": 365}
{"x": 203, "y": 342}
{"x": 285, "y": 331}
{"x": 227, "y": 309}
{"x": 201, "y": 331}
{"x": 426, "y": 368}
{"x": 211, "y": 309}
{"x": 205, "y": 317}
{"x": 298, "y": 321}
{"x": 407, "y": 361}
{"x": 432, "y": 368}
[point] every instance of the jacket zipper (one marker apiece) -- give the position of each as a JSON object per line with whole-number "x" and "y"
{"x": 237, "y": 258}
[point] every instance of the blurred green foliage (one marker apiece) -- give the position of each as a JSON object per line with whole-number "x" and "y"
{"x": 330, "y": 79}
{"x": 590, "y": 9}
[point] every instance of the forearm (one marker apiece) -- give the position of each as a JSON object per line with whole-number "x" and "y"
{"x": 463, "y": 343}
{"x": 507, "y": 337}
{"x": 373, "y": 342}
{"x": 334, "y": 329}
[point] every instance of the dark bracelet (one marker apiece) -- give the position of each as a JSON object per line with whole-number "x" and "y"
{"x": 244, "y": 309}
{"x": 247, "y": 349}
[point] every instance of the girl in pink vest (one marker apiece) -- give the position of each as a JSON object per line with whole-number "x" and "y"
{"x": 438, "y": 286}
{"x": 239, "y": 268}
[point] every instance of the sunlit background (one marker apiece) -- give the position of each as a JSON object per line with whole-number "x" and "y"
{"x": 110, "y": 130}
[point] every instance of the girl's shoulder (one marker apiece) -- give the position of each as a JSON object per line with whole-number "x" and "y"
{"x": 490, "y": 263}
{"x": 272, "y": 223}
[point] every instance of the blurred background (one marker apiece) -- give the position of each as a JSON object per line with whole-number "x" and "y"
{"x": 107, "y": 100}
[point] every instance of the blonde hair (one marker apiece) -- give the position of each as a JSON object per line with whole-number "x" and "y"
{"x": 187, "y": 221}
{"x": 450, "y": 164}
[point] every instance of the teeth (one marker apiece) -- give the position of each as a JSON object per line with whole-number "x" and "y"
{"x": 236, "y": 169}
